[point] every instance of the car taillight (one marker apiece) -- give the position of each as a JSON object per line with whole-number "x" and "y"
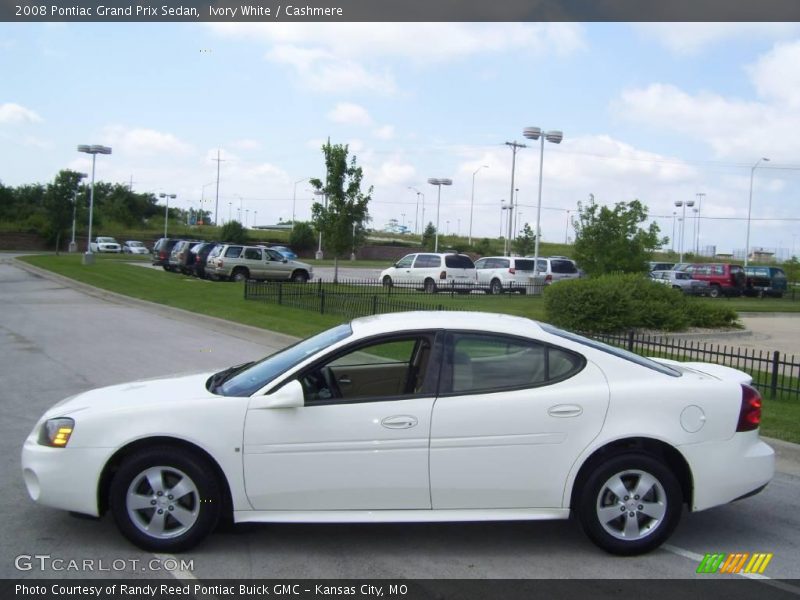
{"x": 512, "y": 270}
{"x": 162, "y": 255}
{"x": 548, "y": 279}
{"x": 750, "y": 413}
{"x": 443, "y": 275}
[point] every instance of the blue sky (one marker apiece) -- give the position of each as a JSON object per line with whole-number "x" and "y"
{"x": 658, "y": 112}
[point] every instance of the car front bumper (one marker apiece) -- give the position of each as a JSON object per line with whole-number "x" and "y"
{"x": 726, "y": 470}
{"x": 65, "y": 478}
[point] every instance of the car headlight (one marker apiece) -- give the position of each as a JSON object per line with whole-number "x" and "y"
{"x": 56, "y": 432}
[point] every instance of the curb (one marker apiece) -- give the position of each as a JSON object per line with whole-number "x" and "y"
{"x": 249, "y": 333}
{"x": 787, "y": 456}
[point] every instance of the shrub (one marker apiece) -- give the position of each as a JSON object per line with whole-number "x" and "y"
{"x": 616, "y": 302}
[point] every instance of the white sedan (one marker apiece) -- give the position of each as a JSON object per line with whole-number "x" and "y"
{"x": 410, "y": 417}
{"x": 134, "y": 247}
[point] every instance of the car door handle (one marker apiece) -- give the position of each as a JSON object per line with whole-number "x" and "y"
{"x": 565, "y": 410}
{"x": 345, "y": 380}
{"x": 400, "y": 422}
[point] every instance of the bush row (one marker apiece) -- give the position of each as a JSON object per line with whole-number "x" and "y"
{"x": 618, "y": 302}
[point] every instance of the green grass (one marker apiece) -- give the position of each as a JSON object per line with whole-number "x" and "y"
{"x": 781, "y": 417}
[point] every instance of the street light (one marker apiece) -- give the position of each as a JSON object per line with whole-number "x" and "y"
{"x": 94, "y": 150}
{"x": 294, "y": 197}
{"x": 319, "y": 254}
{"x": 750, "y": 209}
{"x": 416, "y": 210}
{"x": 166, "y": 209}
{"x": 72, "y": 245}
{"x": 697, "y": 232}
{"x": 438, "y": 183}
{"x": 679, "y": 204}
{"x": 554, "y": 136}
{"x": 472, "y": 200}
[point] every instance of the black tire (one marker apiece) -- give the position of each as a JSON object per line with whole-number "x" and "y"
{"x": 387, "y": 281}
{"x": 299, "y": 277}
{"x": 495, "y": 287}
{"x": 430, "y": 286}
{"x": 185, "y": 519}
{"x": 646, "y": 519}
{"x": 714, "y": 292}
{"x": 240, "y": 275}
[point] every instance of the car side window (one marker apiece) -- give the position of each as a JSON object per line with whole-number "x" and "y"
{"x": 427, "y": 261}
{"x": 382, "y": 370}
{"x": 252, "y": 253}
{"x": 483, "y": 263}
{"x": 405, "y": 262}
{"x": 273, "y": 255}
{"x": 484, "y": 363}
{"x": 233, "y": 252}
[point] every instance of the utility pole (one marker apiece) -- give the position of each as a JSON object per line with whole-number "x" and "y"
{"x": 216, "y": 205}
{"x": 699, "y": 207}
{"x": 130, "y": 184}
{"x": 514, "y": 147}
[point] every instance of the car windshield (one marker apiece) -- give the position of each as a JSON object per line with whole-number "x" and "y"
{"x": 106, "y": 240}
{"x": 248, "y": 380}
{"x": 135, "y": 244}
{"x": 618, "y": 352}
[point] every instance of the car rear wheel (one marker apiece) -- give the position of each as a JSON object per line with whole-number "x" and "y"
{"x": 165, "y": 499}
{"x": 714, "y": 292}
{"x": 239, "y": 275}
{"x": 430, "y": 286}
{"x": 495, "y": 287}
{"x": 630, "y": 504}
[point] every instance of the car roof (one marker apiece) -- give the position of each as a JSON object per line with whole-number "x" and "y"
{"x": 434, "y": 319}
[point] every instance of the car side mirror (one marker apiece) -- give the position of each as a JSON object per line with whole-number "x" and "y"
{"x": 285, "y": 260}
{"x": 288, "y": 396}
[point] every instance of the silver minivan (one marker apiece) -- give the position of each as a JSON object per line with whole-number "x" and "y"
{"x": 430, "y": 272}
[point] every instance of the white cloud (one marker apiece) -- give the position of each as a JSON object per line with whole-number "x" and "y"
{"x": 386, "y": 132}
{"x": 350, "y": 114}
{"x": 776, "y": 75}
{"x": 144, "y": 142}
{"x": 393, "y": 172}
{"x": 691, "y": 38}
{"x": 15, "y": 113}
{"x": 246, "y": 144}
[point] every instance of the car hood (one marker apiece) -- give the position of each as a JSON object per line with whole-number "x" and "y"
{"x": 136, "y": 393}
{"x": 717, "y": 371}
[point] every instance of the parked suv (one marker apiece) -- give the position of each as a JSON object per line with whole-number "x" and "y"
{"x": 683, "y": 281}
{"x": 180, "y": 255}
{"x": 199, "y": 256}
{"x": 496, "y": 274}
{"x": 723, "y": 278}
{"x": 237, "y": 263}
{"x": 161, "y": 252}
{"x": 556, "y": 268}
{"x": 429, "y": 271}
{"x": 764, "y": 281}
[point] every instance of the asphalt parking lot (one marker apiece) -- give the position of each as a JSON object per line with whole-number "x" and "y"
{"x": 56, "y": 341}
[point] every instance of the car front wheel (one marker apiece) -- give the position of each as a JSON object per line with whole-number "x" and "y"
{"x": 165, "y": 499}
{"x": 299, "y": 277}
{"x": 630, "y": 504}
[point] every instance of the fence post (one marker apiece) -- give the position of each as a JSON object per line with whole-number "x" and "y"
{"x": 280, "y": 293}
{"x": 322, "y": 301}
{"x": 773, "y": 386}
{"x": 374, "y": 304}
{"x": 630, "y": 340}
{"x": 246, "y": 285}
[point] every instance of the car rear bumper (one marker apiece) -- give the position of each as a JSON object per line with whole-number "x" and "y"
{"x": 728, "y": 470}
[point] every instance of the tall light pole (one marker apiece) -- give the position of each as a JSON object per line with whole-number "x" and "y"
{"x": 72, "y": 245}
{"x": 672, "y": 239}
{"x": 438, "y": 182}
{"x": 679, "y": 204}
{"x": 166, "y": 209}
{"x": 416, "y": 210}
{"x": 94, "y": 150}
{"x": 216, "y": 205}
{"x": 514, "y": 147}
{"x": 566, "y": 229}
{"x": 202, "y": 199}
{"x": 294, "y": 197}
{"x": 699, "y": 207}
{"x": 554, "y": 136}
{"x": 472, "y": 200}
{"x": 319, "y": 254}
{"x": 750, "y": 209}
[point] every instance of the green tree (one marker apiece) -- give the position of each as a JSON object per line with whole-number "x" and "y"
{"x": 343, "y": 216}
{"x": 58, "y": 204}
{"x": 233, "y": 232}
{"x": 525, "y": 242}
{"x": 302, "y": 237}
{"x": 429, "y": 237}
{"x": 608, "y": 239}
{"x": 483, "y": 247}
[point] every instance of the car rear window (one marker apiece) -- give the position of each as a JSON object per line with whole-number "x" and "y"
{"x": 523, "y": 265}
{"x": 562, "y": 266}
{"x": 458, "y": 261}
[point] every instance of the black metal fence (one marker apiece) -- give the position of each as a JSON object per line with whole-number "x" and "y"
{"x": 771, "y": 370}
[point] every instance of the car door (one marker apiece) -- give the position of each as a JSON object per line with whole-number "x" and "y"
{"x": 276, "y": 265}
{"x": 513, "y": 416}
{"x": 360, "y": 442}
